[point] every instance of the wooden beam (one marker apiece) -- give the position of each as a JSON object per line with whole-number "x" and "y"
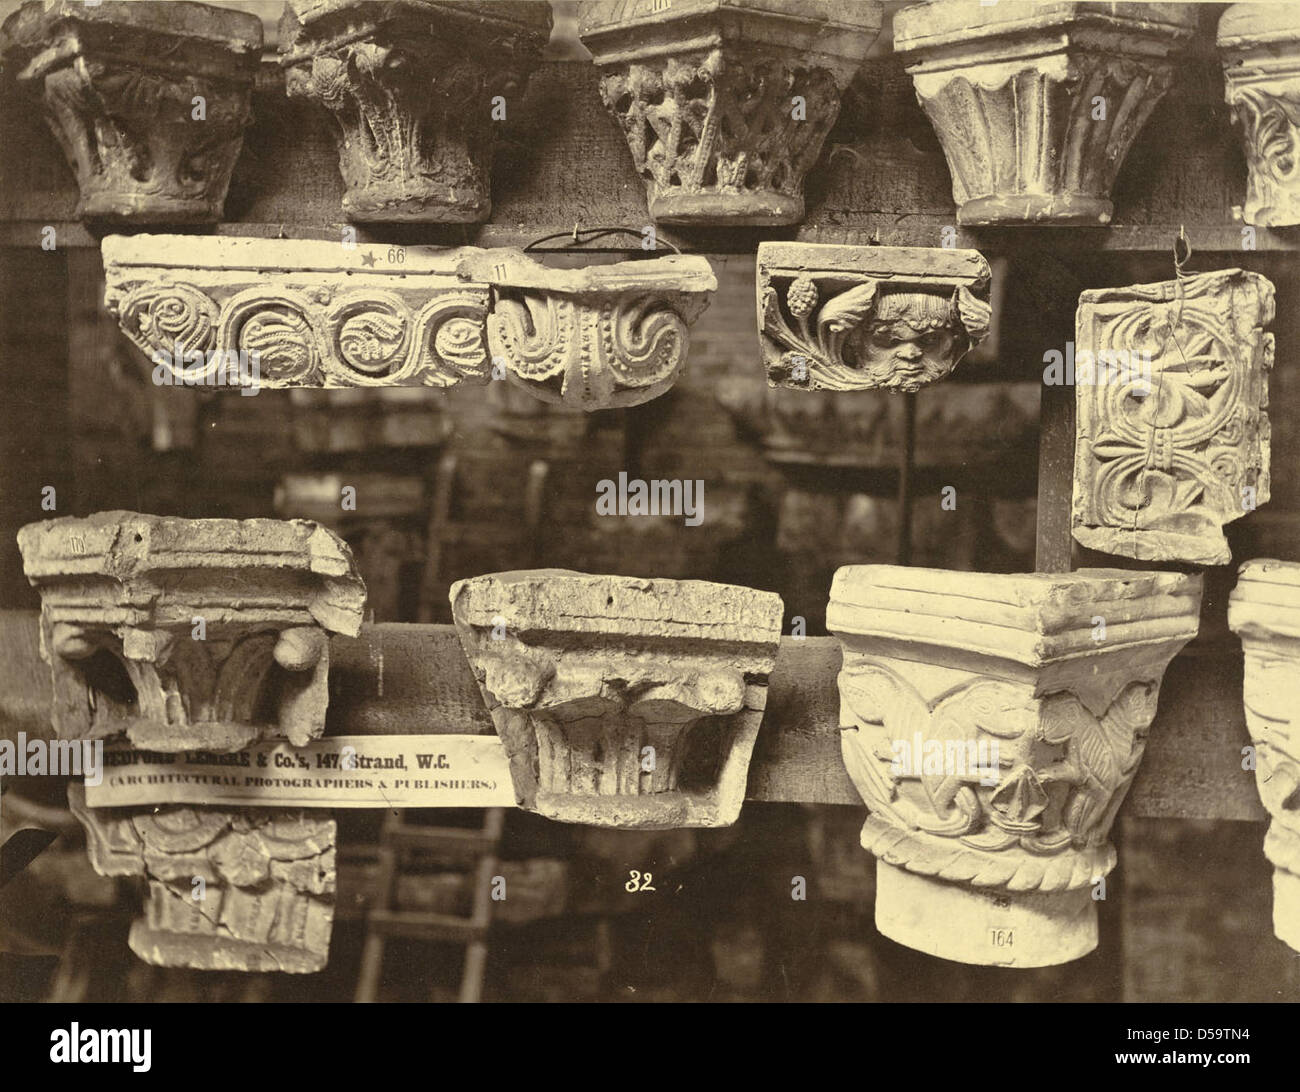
{"x": 402, "y": 679}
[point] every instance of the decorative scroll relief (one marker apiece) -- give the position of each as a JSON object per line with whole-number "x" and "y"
{"x": 228, "y": 890}
{"x": 121, "y": 84}
{"x": 622, "y": 702}
{"x": 726, "y": 103}
{"x": 250, "y": 313}
{"x": 190, "y": 634}
{"x": 844, "y": 318}
{"x": 1036, "y": 111}
{"x": 412, "y": 85}
{"x": 1264, "y": 611}
{"x": 595, "y": 338}
{"x": 993, "y": 724}
{"x": 1260, "y": 47}
{"x": 1173, "y": 438}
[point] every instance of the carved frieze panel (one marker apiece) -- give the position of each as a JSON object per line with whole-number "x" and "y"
{"x": 1172, "y": 430}
{"x": 1260, "y": 47}
{"x": 1264, "y": 611}
{"x": 1037, "y": 107}
{"x": 228, "y": 890}
{"x": 993, "y": 724}
{"x": 417, "y": 88}
{"x": 726, "y": 103}
{"x": 190, "y": 634}
{"x": 844, "y": 318}
{"x": 148, "y": 100}
{"x": 622, "y": 702}
{"x": 251, "y": 313}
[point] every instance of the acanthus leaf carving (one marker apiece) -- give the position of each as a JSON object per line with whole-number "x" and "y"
{"x": 622, "y": 702}
{"x": 246, "y": 890}
{"x": 1036, "y": 111}
{"x": 1260, "y": 47}
{"x": 190, "y": 634}
{"x": 1264, "y": 611}
{"x": 411, "y": 85}
{"x": 993, "y": 737}
{"x": 1171, "y": 386}
{"x": 121, "y": 82}
{"x": 843, "y": 318}
{"x": 726, "y": 103}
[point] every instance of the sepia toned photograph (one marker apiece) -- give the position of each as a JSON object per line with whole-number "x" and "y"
{"x": 680, "y": 501}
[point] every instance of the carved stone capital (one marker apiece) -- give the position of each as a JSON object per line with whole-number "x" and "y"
{"x": 1036, "y": 108}
{"x": 622, "y": 702}
{"x": 190, "y": 634}
{"x": 148, "y": 100}
{"x": 228, "y": 890}
{"x": 1264, "y": 611}
{"x": 1260, "y": 47}
{"x": 848, "y": 318}
{"x": 411, "y": 84}
{"x": 726, "y": 103}
{"x": 993, "y": 724}
{"x": 314, "y": 314}
{"x": 1173, "y": 439}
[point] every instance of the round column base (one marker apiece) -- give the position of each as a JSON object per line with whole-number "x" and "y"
{"x": 984, "y": 926}
{"x": 1037, "y": 208}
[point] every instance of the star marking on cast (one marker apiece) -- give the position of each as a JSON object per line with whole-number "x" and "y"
{"x": 367, "y": 259}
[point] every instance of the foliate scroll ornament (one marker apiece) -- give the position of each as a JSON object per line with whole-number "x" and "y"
{"x": 865, "y": 318}
{"x": 413, "y": 86}
{"x": 149, "y": 101}
{"x": 726, "y": 103}
{"x": 622, "y": 702}
{"x": 1173, "y": 434}
{"x": 1036, "y": 111}
{"x": 994, "y": 741}
{"x": 601, "y": 337}
{"x": 1260, "y": 47}
{"x": 190, "y": 634}
{"x": 232, "y": 890}
{"x": 279, "y": 313}
{"x": 1264, "y": 611}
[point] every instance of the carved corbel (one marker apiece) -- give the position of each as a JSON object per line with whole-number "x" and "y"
{"x": 148, "y": 100}
{"x": 1264, "y": 611}
{"x": 1036, "y": 108}
{"x": 245, "y": 890}
{"x": 849, "y": 318}
{"x": 254, "y": 313}
{"x": 993, "y": 724}
{"x": 726, "y": 103}
{"x": 413, "y": 86}
{"x": 595, "y": 338}
{"x": 1171, "y": 383}
{"x": 190, "y": 634}
{"x": 1260, "y": 47}
{"x": 622, "y": 702}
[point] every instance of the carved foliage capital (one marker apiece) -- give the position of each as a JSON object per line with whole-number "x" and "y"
{"x": 1036, "y": 110}
{"x": 148, "y": 100}
{"x": 726, "y": 103}
{"x": 411, "y": 85}
{"x": 993, "y": 723}
{"x": 844, "y": 318}
{"x": 190, "y": 634}
{"x": 622, "y": 702}
{"x": 231, "y": 890}
{"x": 1171, "y": 386}
{"x": 1264, "y": 611}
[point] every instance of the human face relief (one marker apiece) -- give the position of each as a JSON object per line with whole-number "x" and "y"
{"x": 910, "y": 342}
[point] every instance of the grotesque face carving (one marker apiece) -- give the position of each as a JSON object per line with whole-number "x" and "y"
{"x": 912, "y": 339}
